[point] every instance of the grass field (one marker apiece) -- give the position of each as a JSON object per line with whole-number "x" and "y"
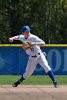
{"x": 33, "y": 80}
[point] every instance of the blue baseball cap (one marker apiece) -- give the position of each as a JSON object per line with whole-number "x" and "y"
{"x": 25, "y": 28}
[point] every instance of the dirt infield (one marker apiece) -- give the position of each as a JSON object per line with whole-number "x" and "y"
{"x": 24, "y": 92}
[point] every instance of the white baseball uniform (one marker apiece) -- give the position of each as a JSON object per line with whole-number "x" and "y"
{"x": 35, "y": 56}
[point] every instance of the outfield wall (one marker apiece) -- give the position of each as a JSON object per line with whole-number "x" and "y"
{"x": 13, "y": 59}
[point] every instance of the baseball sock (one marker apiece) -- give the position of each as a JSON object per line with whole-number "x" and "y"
{"x": 51, "y": 75}
{"x": 21, "y": 79}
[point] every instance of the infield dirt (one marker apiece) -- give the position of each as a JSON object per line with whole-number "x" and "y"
{"x": 33, "y": 92}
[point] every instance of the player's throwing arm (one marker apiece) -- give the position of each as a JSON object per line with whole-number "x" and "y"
{"x": 25, "y": 45}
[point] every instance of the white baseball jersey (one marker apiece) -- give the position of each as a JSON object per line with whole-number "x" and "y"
{"x": 32, "y": 38}
{"x": 34, "y": 60}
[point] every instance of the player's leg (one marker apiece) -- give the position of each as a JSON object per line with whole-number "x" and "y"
{"x": 30, "y": 67}
{"x": 29, "y": 70}
{"x": 18, "y": 81}
{"x": 43, "y": 62}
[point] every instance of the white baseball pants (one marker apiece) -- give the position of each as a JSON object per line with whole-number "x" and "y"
{"x": 33, "y": 61}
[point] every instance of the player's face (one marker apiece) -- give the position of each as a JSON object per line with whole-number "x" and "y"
{"x": 26, "y": 34}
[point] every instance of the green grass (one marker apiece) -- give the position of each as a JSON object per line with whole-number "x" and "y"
{"x": 33, "y": 80}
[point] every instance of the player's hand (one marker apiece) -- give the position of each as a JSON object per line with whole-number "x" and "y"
{"x": 10, "y": 39}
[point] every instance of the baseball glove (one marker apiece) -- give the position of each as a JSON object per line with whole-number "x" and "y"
{"x": 26, "y": 45}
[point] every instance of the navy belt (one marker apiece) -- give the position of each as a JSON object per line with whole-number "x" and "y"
{"x": 35, "y": 55}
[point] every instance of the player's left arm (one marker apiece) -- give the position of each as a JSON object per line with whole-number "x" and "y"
{"x": 37, "y": 41}
{"x": 28, "y": 45}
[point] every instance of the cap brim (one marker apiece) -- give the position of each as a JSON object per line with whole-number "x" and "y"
{"x": 26, "y": 30}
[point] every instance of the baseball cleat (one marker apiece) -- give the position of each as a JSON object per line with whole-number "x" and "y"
{"x": 16, "y": 84}
{"x": 55, "y": 84}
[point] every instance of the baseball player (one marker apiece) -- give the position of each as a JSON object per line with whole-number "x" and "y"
{"x": 31, "y": 44}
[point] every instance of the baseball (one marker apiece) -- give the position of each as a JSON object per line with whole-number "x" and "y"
{"x": 10, "y": 40}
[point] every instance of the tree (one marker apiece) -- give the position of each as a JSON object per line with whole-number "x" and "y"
{"x": 46, "y": 17}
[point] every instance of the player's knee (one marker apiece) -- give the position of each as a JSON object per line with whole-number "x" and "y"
{"x": 47, "y": 69}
